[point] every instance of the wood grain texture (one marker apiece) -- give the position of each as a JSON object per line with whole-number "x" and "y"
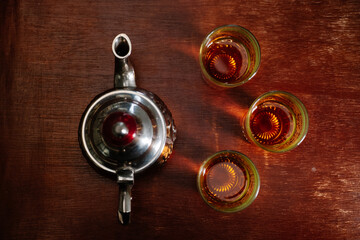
{"x": 55, "y": 56}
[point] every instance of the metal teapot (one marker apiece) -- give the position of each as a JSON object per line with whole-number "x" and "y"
{"x": 125, "y": 130}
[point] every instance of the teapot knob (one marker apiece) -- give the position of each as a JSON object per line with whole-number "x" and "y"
{"x": 119, "y": 129}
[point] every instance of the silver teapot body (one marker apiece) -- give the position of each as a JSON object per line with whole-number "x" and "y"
{"x": 127, "y": 129}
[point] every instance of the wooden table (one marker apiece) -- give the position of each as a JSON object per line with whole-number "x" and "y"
{"x": 55, "y": 56}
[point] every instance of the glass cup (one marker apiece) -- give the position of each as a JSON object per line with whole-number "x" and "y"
{"x": 229, "y": 56}
{"x": 277, "y": 121}
{"x": 228, "y": 181}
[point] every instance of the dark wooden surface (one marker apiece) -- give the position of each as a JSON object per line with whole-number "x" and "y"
{"x": 55, "y": 56}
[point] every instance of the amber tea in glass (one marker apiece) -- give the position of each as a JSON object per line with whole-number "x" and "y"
{"x": 228, "y": 181}
{"x": 277, "y": 121}
{"x": 229, "y": 56}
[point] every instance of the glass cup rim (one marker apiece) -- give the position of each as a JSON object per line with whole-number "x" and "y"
{"x": 254, "y": 42}
{"x": 297, "y": 102}
{"x": 252, "y": 167}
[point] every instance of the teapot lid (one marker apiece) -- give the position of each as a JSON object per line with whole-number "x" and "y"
{"x": 123, "y": 127}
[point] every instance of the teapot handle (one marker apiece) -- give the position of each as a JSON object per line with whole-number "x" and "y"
{"x": 125, "y": 179}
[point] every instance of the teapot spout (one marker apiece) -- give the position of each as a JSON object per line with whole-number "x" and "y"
{"x": 124, "y": 75}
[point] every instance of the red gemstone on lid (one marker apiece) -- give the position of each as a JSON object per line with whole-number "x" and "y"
{"x": 119, "y": 129}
